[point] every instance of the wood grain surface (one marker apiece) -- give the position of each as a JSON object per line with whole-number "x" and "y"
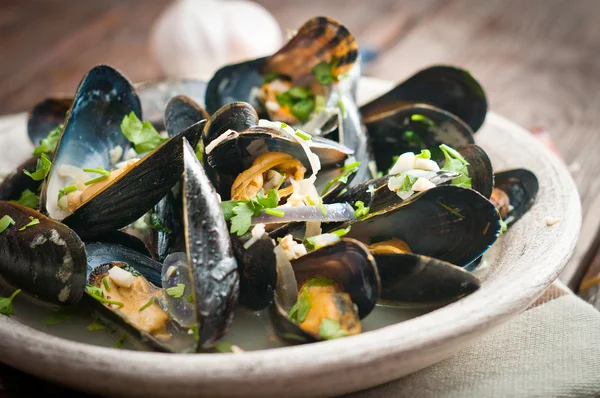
{"x": 539, "y": 60}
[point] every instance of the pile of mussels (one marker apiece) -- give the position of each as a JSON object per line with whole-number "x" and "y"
{"x": 281, "y": 194}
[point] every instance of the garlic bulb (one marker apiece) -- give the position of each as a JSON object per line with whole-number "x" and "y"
{"x": 196, "y": 37}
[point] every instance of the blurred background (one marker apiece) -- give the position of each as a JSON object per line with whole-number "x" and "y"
{"x": 539, "y": 60}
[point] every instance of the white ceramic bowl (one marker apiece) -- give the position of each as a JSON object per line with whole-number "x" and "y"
{"x": 528, "y": 258}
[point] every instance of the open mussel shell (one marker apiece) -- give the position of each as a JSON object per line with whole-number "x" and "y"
{"x": 237, "y": 116}
{"x": 182, "y": 112}
{"x": 412, "y": 128}
{"x": 319, "y": 39}
{"x": 449, "y": 88}
{"x": 521, "y": 187}
{"x": 257, "y": 268}
{"x": 414, "y": 280}
{"x": 103, "y": 252}
{"x": 46, "y": 260}
{"x": 209, "y": 254}
{"x": 91, "y": 131}
{"x": 350, "y": 264}
{"x": 46, "y": 116}
{"x": 170, "y": 237}
{"x": 447, "y": 222}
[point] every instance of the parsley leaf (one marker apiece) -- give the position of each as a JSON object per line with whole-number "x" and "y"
{"x": 425, "y": 154}
{"x": 342, "y": 232}
{"x": 329, "y": 330}
{"x": 94, "y": 326}
{"x": 323, "y": 72}
{"x": 120, "y": 342}
{"x": 6, "y": 307}
{"x": 227, "y": 206}
{"x": 42, "y": 168}
{"x": 66, "y": 190}
{"x": 157, "y": 224}
{"x": 33, "y": 221}
{"x": 300, "y": 310}
{"x": 457, "y": 163}
{"x": 59, "y": 316}
{"x": 244, "y": 211}
{"x": 6, "y": 222}
{"x": 176, "y": 291}
{"x": 270, "y": 201}
{"x": 422, "y": 118}
{"x": 48, "y": 144}
{"x": 361, "y": 210}
{"x": 142, "y": 135}
{"x": 347, "y": 170}
{"x": 271, "y": 76}
{"x": 95, "y": 291}
{"x": 503, "y": 227}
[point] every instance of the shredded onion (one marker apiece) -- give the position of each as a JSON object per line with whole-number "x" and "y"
{"x": 226, "y": 135}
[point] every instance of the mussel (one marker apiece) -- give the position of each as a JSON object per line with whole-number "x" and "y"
{"x": 92, "y": 138}
{"x": 514, "y": 193}
{"x": 309, "y": 83}
{"x": 41, "y": 256}
{"x": 340, "y": 284}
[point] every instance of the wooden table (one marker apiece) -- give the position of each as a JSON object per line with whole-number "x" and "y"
{"x": 539, "y": 61}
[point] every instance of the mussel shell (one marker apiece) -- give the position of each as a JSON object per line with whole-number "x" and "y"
{"x": 449, "y": 88}
{"x": 46, "y": 260}
{"x": 210, "y": 256}
{"x": 169, "y": 212}
{"x": 182, "y": 112}
{"x": 133, "y": 193}
{"x": 480, "y": 169}
{"x": 350, "y": 264}
{"x": 99, "y": 253}
{"x": 124, "y": 239}
{"x": 257, "y": 268}
{"x": 238, "y": 116}
{"x": 411, "y": 279}
{"x": 234, "y": 155}
{"x": 521, "y": 186}
{"x": 46, "y": 116}
{"x": 394, "y": 132}
{"x": 17, "y": 181}
{"x": 449, "y": 223}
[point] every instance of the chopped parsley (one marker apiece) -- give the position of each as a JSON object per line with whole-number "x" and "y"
{"x": 303, "y": 135}
{"x": 271, "y": 76}
{"x": 104, "y": 174}
{"x": 66, "y": 190}
{"x": 28, "y": 199}
{"x": 457, "y": 163}
{"x": 190, "y": 298}
{"x": 425, "y": 154}
{"x": 176, "y": 291}
{"x": 276, "y": 213}
{"x": 361, "y": 209}
{"x": 451, "y": 210}
{"x": 240, "y": 212}
{"x": 346, "y": 171}
{"x": 97, "y": 293}
{"x": 299, "y": 100}
{"x": 342, "y": 107}
{"x": 33, "y": 221}
{"x": 6, "y": 222}
{"x": 142, "y": 135}
{"x": 157, "y": 225}
{"x": 106, "y": 284}
{"x": 417, "y": 117}
{"x": 148, "y": 304}
{"x": 59, "y": 316}
{"x": 329, "y": 330}
{"x": 503, "y": 227}
{"x": 342, "y": 232}
{"x": 42, "y": 168}
{"x": 194, "y": 330}
{"x": 323, "y": 72}
{"x": 299, "y": 311}
{"x": 120, "y": 342}
{"x": 6, "y": 307}
{"x": 94, "y": 326}
{"x": 224, "y": 346}
{"x": 48, "y": 144}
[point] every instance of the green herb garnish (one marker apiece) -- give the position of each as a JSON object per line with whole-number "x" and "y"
{"x": 299, "y": 93}
{"x": 457, "y": 163}
{"x": 120, "y": 342}
{"x": 157, "y": 225}
{"x": 42, "y": 168}
{"x": 451, "y": 210}
{"x": 49, "y": 143}
{"x": 176, "y": 291}
{"x": 422, "y": 118}
{"x": 346, "y": 171}
{"x": 6, "y": 307}
{"x": 194, "y": 330}
{"x": 425, "y": 154}
{"x": 223, "y": 346}
{"x": 303, "y": 135}
{"x": 300, "y": 310}
{"x": 190, "y": 298}
{"x": 66, "y": 190}
{"x": 6, "y": 222}
{"x": 28, "y": 199}
{"x": 323, "y": 72}
{"x": 269, "y": 201}
{"x": 240, "y": 212}
{"x": 142, "y": 135}
{"x": 106, "y": 284}
{"x": 303, "y": 109}
{"x": 342, "y": 107}
{"x": 94, "y": 326}
{"x": 329, "y": 330}
{"x": 94, "y": 291}
{"x": 148, "y": 304}
{"x": 33, "y": 221}
{"x": 503, "y": 227}
{"x": 342, "y": 232}
{"x": 104, "y": 174}
{"x": 361, "y": 209}
{"x": 59, "y": 316}
{"x": 271, "y": 76}
{"x": 276, "y": 213}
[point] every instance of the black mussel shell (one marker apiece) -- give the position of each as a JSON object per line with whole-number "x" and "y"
{"x": 449, "y": 223}
{"x": 46, "y": 260}
{"x": 412, "y": 128}
{"x": 133, "y": 193}
{"x": 237, "y": 116}
{"x": 168, "y": 236}
{"x": 350, "y": 264}
{"x": 449, "y": 88}
{"x": 182, "y": 112}
{"x": 257, "y": 267}
{"x": 521, "y": 186}
{"x": 480, "y": 169}
{"x": 214, "y": 268}
{"x": 16, "y": 182}
{"x": 46, "y": 116}
{"x": 103, "y": 252}
{"x": 124, "y": 239}
{"x": 411, "y": 279}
